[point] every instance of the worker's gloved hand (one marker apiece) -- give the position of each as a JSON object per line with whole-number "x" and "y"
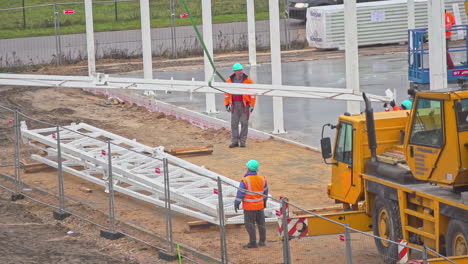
{"x": 251, "y": 109}
{"x": 265, "y": 202}
{"x": 228, "y": 108}
{"x": 392, "y": 103}
{"x": 236, "y": 206}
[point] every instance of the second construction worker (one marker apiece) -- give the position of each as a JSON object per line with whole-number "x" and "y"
{"x": 253, "y": 193}
{"x": 240, "y": 106}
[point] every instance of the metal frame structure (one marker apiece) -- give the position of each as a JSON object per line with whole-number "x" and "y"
{"x": 138, "y": 171}
{"x": 102, "y": 81}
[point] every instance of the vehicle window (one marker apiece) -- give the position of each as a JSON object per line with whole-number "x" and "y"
{"x": 427, "y": 124}
{"x": 344, "y": 144}
{"x": 462, "y": 116}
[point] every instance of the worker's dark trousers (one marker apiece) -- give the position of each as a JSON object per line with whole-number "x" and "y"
{"x": 240, "y": 114}
{"x": 250, "y": 219}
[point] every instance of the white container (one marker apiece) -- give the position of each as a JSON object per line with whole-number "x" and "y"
{"x": 381, "y": 22}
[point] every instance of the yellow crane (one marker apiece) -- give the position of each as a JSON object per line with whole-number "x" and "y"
{"x": 403, "y": 174}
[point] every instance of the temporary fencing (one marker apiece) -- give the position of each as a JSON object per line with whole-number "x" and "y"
{"x": 172, "y": 35}
{"x": 102, "y": 202}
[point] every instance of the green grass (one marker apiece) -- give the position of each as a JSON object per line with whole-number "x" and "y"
{"x": 39, "y": 21}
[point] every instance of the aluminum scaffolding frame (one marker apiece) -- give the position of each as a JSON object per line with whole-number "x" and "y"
{"x": 138, "y": 171}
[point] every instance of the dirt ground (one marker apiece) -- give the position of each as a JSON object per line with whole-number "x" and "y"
{"x": 292, "y": 172}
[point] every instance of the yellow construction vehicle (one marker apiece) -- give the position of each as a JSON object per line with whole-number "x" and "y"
{"x": 403, "y": 174}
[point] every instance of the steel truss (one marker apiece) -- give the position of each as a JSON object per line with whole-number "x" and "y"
{"x": 105, "y": 82}
{"x": 138, "y": 171}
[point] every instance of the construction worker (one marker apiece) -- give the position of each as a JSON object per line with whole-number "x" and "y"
{"x": 449, "y": 22}
{"x": 393, "y": 105}
{"x": 253, "y": 193}
{"x": 405, "y": 105}
{"x": 240, "y": 106}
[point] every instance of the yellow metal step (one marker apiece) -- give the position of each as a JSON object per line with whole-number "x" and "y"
{"x": 419, "y": 215}
{"x": 420, "y": 232}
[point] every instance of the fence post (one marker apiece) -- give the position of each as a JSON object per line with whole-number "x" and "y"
{"x": 110, "y": 234}
{"x": 286, "y": 250}
{"x": 424, "y": 255}
{"x": 222, "y": 227}
{"x": 170, "y": 255}
{"x": 173, "y": 30}
{"x": 349, "y": 252}
{"x": 58, "y": 44}
{"x": 24, "y": 15}
{"x": 18, "y": 186}
{"x": 60, "y": 214}
{"x": 286, "y": 25}
{"x": 115, "y": 11}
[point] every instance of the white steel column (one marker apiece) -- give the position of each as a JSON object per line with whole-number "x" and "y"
{"x": 251, "y": 32}
{"x": 90, "y": 37}
{"x": 146, "y": 39}
{"x": 351, "y": 53}
{"x": 208, "y": 39}
{"x": 276, "y": 80}
{"x": 411, "y": 18}
{"x": 437, "y": 52}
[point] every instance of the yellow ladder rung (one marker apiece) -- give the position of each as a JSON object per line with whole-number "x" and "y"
{"x": 419, "y": 215}
{"x": 420, "y": 232}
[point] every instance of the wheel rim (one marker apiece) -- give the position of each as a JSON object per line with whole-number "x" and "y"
{"x": 460, "y": 247}
{"x": 384, "y": 226}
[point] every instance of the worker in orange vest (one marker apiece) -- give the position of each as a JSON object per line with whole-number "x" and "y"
{"x": 240, "y": 106}
{"x": 449, "y": 22}
{"x": 253, "y": 193}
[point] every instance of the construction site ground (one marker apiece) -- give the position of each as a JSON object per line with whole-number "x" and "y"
{"x": 292, "y": 171}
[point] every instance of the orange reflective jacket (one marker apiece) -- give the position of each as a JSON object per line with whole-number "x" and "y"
{"x": 449, "y": 22}
{"x": 247, "y": 99}
{"x": 253, "y": 199}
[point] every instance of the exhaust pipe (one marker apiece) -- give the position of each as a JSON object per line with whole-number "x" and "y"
{"x": 370, "y": 128}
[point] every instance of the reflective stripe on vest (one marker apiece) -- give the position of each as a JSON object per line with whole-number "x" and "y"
{"x": 253, "y": 198}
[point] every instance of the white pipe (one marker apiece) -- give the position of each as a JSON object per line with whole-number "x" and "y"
{"x": 146, "y": 39}
{"x": 208, "y": 39}
{"x": 351, "y": 53}
{"x": 251, "y": 32}
{"x": 90, "y": 37}
{"x": 437, "y": 46}
{"x": 276, "y": 77}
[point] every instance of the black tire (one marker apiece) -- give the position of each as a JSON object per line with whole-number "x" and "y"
{"x": 387, "y": 213}
{"x": 457, "y": 238}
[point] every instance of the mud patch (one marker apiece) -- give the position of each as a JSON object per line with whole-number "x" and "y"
{"x": 62, "y": 111}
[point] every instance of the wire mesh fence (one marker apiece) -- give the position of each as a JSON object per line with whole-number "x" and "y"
{"x": 118, "y": 35}
{"x": 93, "y": 176}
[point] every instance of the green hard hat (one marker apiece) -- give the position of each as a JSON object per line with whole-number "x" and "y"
{"x": 407, "y": 104}
{"x": 237, "y": 67}
{"x": 252, "y": 165}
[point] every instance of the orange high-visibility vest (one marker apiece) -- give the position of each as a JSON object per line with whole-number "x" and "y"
{"x": 253, "y": 199}
{"x": 449, "y": 22}
{"x": 247, "y": 99}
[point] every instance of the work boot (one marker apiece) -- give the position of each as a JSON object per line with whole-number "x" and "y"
{"x": 242, "y": 145}
{"x": 261, "y": 244}
{"x": 250, "y": 245}
{"x": 233, "y": 145}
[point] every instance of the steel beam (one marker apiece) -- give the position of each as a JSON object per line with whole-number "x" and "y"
{"x": 101, "y": 81}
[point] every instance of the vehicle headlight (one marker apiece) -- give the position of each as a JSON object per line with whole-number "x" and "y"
{"x": 301, "y": 5}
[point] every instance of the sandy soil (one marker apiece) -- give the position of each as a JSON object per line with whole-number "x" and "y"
{"x": 292, "y": 171}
